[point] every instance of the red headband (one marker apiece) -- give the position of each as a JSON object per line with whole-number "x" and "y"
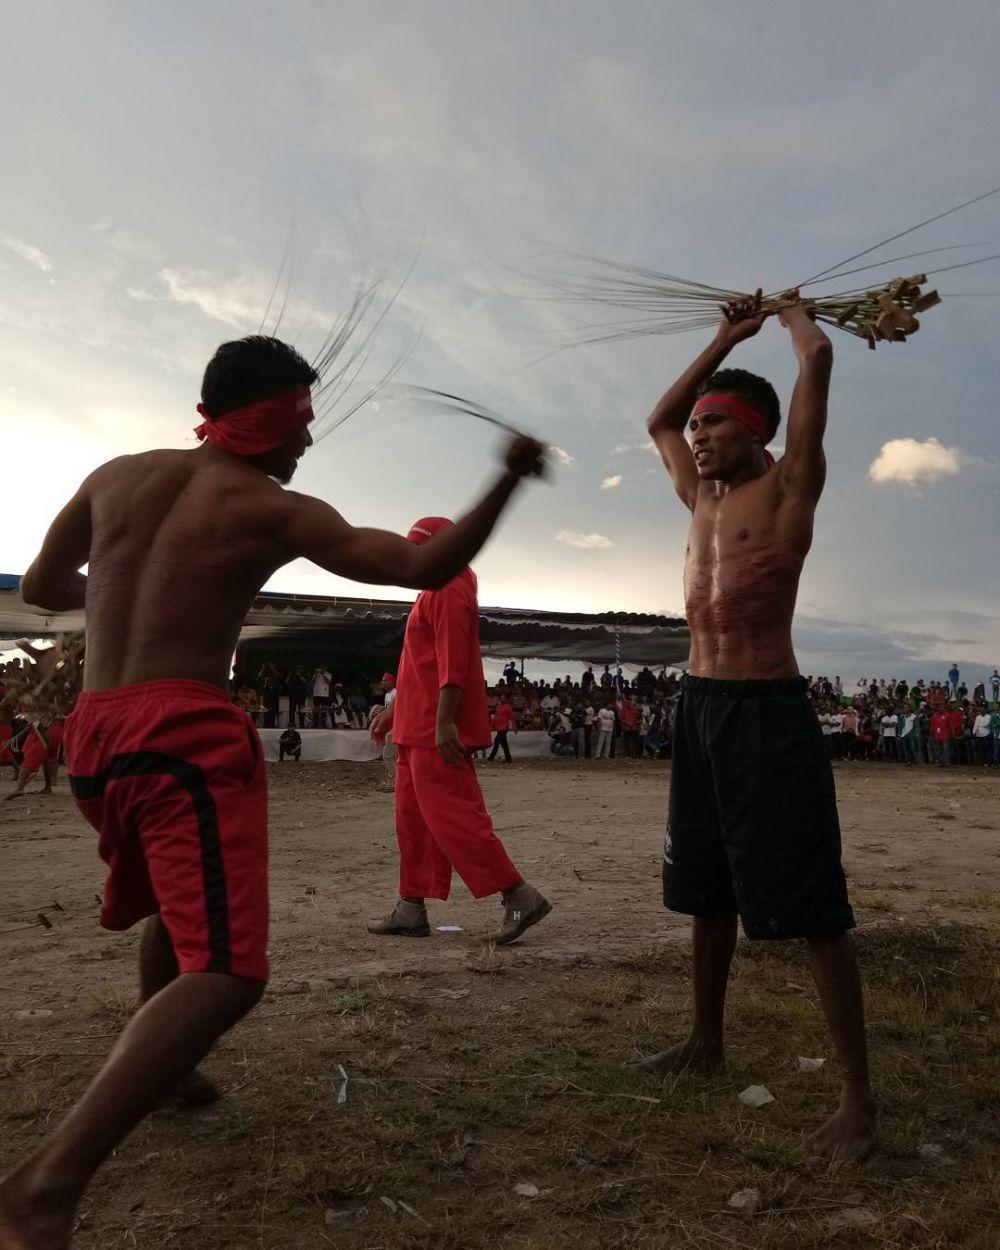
{"x": 258, "y": 427}
{"x": 739, "y": 410}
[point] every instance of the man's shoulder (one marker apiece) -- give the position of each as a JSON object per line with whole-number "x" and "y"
{"x": 136, "y": 464}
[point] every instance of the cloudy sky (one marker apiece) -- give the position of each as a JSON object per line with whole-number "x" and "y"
{"x": 159, "y": 161}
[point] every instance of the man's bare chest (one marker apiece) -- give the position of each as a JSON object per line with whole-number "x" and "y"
{"x": 731, "y": 529}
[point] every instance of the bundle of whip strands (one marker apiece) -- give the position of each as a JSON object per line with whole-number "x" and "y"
{"x": 672, "y": 305}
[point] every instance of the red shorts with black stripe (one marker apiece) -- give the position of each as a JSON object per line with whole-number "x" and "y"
{"x": 172, "y": 777}
{"x": 37, "y": 752}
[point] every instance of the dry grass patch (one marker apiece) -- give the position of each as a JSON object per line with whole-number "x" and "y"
{"x": 462, "y": 1087}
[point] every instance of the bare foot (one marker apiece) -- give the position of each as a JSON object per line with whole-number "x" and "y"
{"x": 14, "y": 794}
{"x": 31, "y": 1223}
{"x": 692, "y": 1055}
{"x": 849, "y": 1135}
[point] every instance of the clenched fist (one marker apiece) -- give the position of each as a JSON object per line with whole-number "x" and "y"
{"x": 526, "y": 457}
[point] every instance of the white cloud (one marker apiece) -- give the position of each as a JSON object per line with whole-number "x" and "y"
{"x": 909, "y": 462}
{"x": 27, "y": 251}
{"x": 234, "y": 305}
{"x": 586, "y": 542}
{"x": 237, "y": 302}
{"x": 562, "y": 456}
{"x": 610, "y": 483}
{"x": 623, "y": 448}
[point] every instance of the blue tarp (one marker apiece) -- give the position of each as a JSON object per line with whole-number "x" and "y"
{"x": 10, "y": 581}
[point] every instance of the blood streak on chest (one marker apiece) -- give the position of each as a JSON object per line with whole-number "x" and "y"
{"x": 737, "y": 578}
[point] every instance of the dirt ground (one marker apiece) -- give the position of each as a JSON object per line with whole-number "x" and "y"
{"x": 393, "y": 1093}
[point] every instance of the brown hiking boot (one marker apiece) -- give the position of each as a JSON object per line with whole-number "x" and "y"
{"x": 523, "y": 906}
{"x": 406, "y": 920}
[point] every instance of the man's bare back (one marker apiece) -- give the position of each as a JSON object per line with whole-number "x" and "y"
{"x": 178, "y": 543}
{"x": 181, "y": 542}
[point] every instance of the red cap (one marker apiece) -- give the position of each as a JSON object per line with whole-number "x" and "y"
{"x": 389, "y": 677}
{"x": 425, "y": 529}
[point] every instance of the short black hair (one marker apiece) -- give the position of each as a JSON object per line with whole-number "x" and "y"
{"x": 756, "y": 391}
{"x": 247, "y": 370}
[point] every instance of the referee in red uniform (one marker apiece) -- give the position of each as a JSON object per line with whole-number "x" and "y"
{"x": 438, "y": 718}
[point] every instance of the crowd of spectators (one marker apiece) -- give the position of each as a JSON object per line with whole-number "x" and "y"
{"x": 600, "y": 716}
{"x": 605, "y": 714}
{"x": 276, "y": 697}
{"x": 937, "y": 722}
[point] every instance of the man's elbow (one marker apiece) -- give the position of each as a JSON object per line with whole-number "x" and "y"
{"x": 41, "y": 592}
{"x": 34, "y": 592}
{"x": 818, "y": 353}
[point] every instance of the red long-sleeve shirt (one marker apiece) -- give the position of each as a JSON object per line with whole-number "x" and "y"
{"x": 941, "y": 727}
{"x": 441, "y": 648}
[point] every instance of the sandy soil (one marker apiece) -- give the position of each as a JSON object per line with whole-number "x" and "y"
{"x": 916, "y": 842}
{"x": 919, "y": 844}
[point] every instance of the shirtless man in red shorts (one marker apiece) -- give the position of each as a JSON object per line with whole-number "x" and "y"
{"x": 171, "y": 775}
{"x": 752, "y": 829}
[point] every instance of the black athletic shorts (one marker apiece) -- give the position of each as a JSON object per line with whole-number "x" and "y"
{"x": 752, "y": 825}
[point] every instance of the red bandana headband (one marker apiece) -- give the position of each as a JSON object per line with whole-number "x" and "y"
{"x": 258, "y": 427}
{"x": 739, "y": 410}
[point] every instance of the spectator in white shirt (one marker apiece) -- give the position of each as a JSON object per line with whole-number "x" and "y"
{"x": 561, "y": 732}
{"x": 981, "y": 736}
{"x": 836, "y": 722}
{"x": 889, "y": 736}
{"x": 321, "y": 697}
{"x": 605, "y": 732}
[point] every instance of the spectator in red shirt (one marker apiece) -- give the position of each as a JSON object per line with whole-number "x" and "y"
{"x": 438, "y": 718}
{"x": 629, "y": 716}
{"x": 504, "y": 721}
{"x": 941, "y": 737}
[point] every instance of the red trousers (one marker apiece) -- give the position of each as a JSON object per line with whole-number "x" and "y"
{"x": 37, "y": 753}
{"x": 442, "y": 824}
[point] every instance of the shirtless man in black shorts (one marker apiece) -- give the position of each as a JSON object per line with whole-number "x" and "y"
{"x": 752, "y": 829}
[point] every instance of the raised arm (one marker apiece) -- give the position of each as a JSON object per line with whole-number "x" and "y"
{"x": 669, "y": 418}
{"x": 802, "y": 469}
{"x": 53, "y": 580}
{"x": 315, "y": 530}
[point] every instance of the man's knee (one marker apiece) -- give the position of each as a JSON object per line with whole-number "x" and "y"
{"x": 253, "y": 991}
{"x": 821, "y": 943}
{"x": 240, "y": 994}
{"x": 156, "y": 937}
